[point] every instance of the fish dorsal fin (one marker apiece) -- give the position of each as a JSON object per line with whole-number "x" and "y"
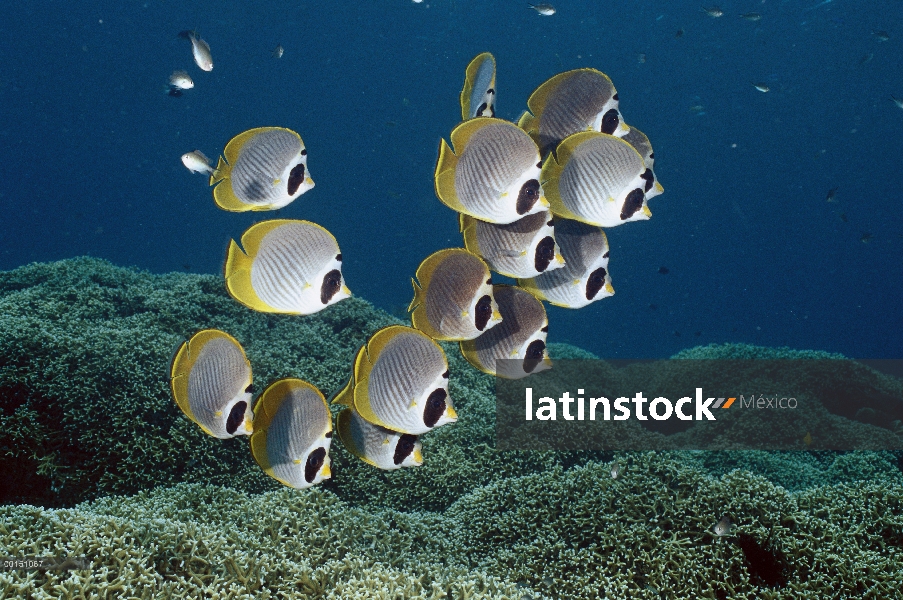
{"x": 468, "y": 226}
{"x": 460, "y": 135}
{"x": 540, "y": 97}
{"x": 343, "y": 428}
{"x": 418, "y": 296}
{"x": 469, "y": 352}
{"x": 470, "y": 80}
{"x": 345, "y": 396}
{"x": 445, "y": 177}
{"x": 183, "y": 362}
{"x": 234, "y": 146}
{"x": 369, "y": 352}
{"x": 527, "y": 122}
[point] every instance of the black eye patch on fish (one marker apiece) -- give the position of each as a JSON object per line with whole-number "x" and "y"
{"x": 545, "y": 253}
{"x": 236, "y": 417}
{"x": 295, "y": 179}
{"x": 314, "y": 462}
{"x": 484, "y": 312}
{"x": 649, "y": 178}
{"x": 332, "y": 283}
{"x": 632, "y": 204}
{"x": 595, "y": 282}
{"x": 528, "y": 196}
{"x": 610, "y": 121}
{"x": 535, "y": 352}
{"x": 435, "y": 407}
{"x": 404, "y": 448}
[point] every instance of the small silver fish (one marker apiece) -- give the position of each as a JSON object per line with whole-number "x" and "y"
{"x": 196, "y": 162}
{"x": 866, "y": 237}
{"x": 713, "y": 12}
{"x": 278, "y": 51}
{"x": 545, "y": 9}
{"x": 200, "y": 49}
{"x": 762, "y": 87}
{"x": 897, "y": 101}
{"x": 882, "y": 36}
{"x": 617, "y": 469}
{"x": 641, "y": 58}
{"x": 723, "y": 527}
{"x": 180, "y": 80}
{"x": 751, "y": 16}
{"x": 832, "y": 195}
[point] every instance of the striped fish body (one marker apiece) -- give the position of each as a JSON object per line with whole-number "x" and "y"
{"x": 453, "y": 300}
{"x": 401, "y": 382}
{"x": 293, "y": 434}
{"x": 478, "y": 95}
{"x": 569, "y": 103}
{"x": 518, "y": 343}
{"x": 584, "y": 277}
{"x": 287, "y": 266}
{"x": 493, "y": 172}
{"x": 643, "y": 146}
{"x": 597, "y": 179}
{"x": 261, "y": 169}
{"x": 210, "y": 377}
{"x": 523, "y": 249}
{"x": 377, "y": 446}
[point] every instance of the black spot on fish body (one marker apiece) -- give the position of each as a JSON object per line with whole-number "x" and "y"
{"x": 446, "y": 374}
{"x": 255, "y": 190}
{"x": 404, "y": 448}
{"x": 304, "y": 152}
{"x": 545, "y": 254}
{"x": 649, "y": 178}
{"x": 435, "y": 407}
{"x": 327, "y": 435}
{"x": 295, "y": 179}
{"x": 480, "y": 110}
{"x": 236, "y": 417}
{"x": 535, "y": 353}
{"x": 610, "y": 121}
{"x": 314, "y": 463}
{"x": 483, "y": 312}
{"x": 332, "y": 283}
{"x": 632, "y": 204}
{"x": 663, "y": 270}
{"x": 528, "y": 197}
{"x": 595, "y": 282}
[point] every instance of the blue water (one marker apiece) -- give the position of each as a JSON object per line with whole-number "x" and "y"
{"x": 90, "y": 146}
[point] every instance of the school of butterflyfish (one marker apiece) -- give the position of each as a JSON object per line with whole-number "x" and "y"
{"x": 532, "y": 198}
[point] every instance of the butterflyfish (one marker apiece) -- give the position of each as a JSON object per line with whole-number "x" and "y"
{"x": 377, "y": 446}
{"x": 478, "y": 95}
{"x": 524, "y": 248}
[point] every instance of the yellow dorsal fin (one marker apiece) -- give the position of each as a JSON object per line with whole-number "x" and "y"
{"x": 345, "y": 397}
{"x": 460, "y": 135}
{"x": 468, "y": 227}
{"x": 469, "y": 352}
{"x": 360, "y": 365}
{"x": 235, "y": 145}
{"x": 444, "y": 178}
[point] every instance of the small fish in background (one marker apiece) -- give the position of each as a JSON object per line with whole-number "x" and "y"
{"x": 762, "y": 87}
{"x": 843, "y": 217}
{"x": 663, "y": 270}
{"x": 210, "y": 378}
{"x": 832, "y": 195}
{"x": 713, "y": 12}
{"x": 807, "y": 439}
{"x": 723, "y": 526}
{"x": 882, "y": 36}
{"x": 866, "y": 237}
{"x": 617, "y": 469}
{"x": 292, "y": 434}
{"x": 897, "y": 101}
{"x": 179, "y": 81}
{"x": 417, "y": 1}
{"x": 200, "y": 49}
{"x": 453, "y": 298}
{"x": 752, "y": 16}
{"x": 196, "y": 162}
{"x": 545, "y": 9}
{"x": 679, "y": 33}
{"x": 261, "y": 169}
{"x": 278, "y": 51}
{"x": 285, "y": 266}
{"x": 641, "y": 58}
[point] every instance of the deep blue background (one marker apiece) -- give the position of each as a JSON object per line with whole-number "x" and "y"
{"x": 90, "y": 146}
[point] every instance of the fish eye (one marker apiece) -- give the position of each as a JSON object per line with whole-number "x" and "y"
{"x": 535, "y": 352}
{"x": 404, "y": 448}
{"x": 545, "y": 329}
{"x": 606, "y": 254}
{"x": 545, "y": 253}
{"x": 304, "y": 152}
{"x": 551, "y": 223}
{"x": 236, "y": 417}
{"x": 249, "y": 389}
{"x": 615, "y": 98}
{"x": 649, "y": 178}
{"x": 539, "y": 165}
{"x": 332, "y": 283}
{"x": 338, "y": 257}
{"x": 295, "y": 179}
{"x": 652, "y": 156}
{"x": 490, "y": 91}
{"x": 314, "y": 463}
{"x": 595, "y": 282}
{"x": 445, "y": 375}
{"x": 483, "y": 312}
{"x": 489, "y": 281}
{"x": 632, "y": 204}
{"x": 610, "y": 121}
{"x": 528, "y": 196}
{"x": 435, "y": 407}
{"x": 328, "y": 434}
